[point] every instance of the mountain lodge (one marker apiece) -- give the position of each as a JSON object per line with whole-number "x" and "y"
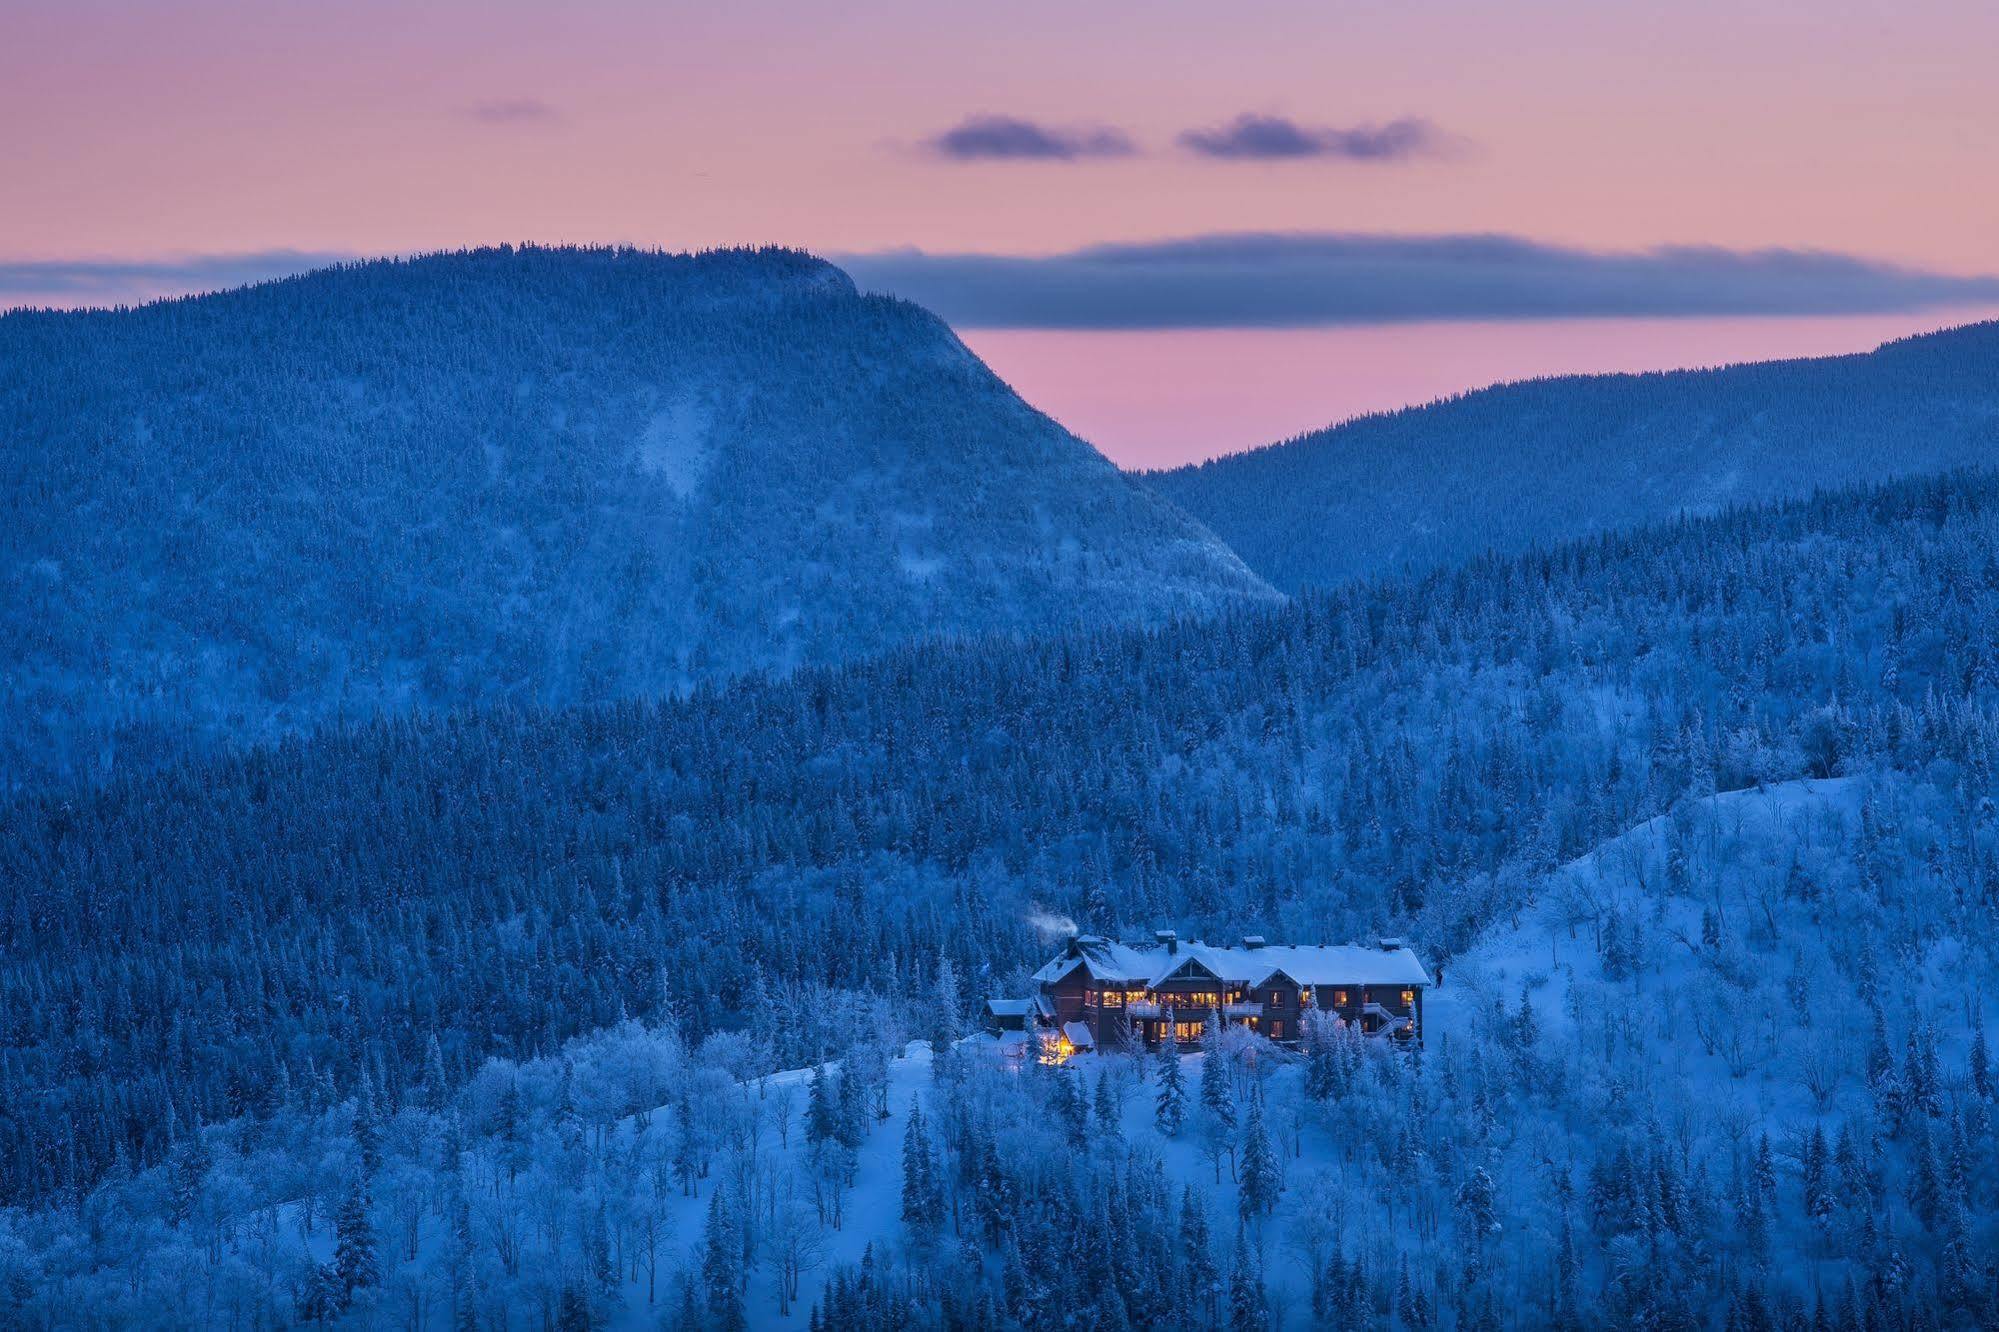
{"x": 1099, "y": 994}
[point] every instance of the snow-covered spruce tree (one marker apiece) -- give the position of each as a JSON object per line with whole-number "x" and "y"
{"x": 367, "y": 1132}
{"x": 1478, "y": 1208}
{"x": 922, "y": 1189}
{"x": 1104, "y": 1108}
{"x": 1261, "y": 1179}
{"x": 1197, "y": 1249}
{"x": 354, "y": 1258}
{"x": 947, "y": 1023}
{"x": 1171, "y": 1102}
{"x": 1217, "y": 1087}
{"x": 822, "y": 1117}
{"x": 188, "y": 1178}
{"x": 1072, "y": 1108}
{"x": 722, "y": 1264}
{"x": 1249, "y": 1308}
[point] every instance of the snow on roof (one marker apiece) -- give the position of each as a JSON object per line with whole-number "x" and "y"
{"x": 1079, "y": 1035}
{"x": 1308, "y": 964}
{"x": 1009, "y": 1007}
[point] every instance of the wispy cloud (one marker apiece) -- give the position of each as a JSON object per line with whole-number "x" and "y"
{"x": 1010, "y": 138}
{"x": 513, "y": 111}
{"x": 69, "y": 282}
{"x": 1291, "y": 280}
{"x": 1274, "y": 138}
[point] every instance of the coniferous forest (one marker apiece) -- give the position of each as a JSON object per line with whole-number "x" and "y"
{"x": 390, "y": 951}
{"x": 606, "y": 988}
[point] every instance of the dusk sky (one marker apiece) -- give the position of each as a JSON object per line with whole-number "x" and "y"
{"x": 143, "y": 136}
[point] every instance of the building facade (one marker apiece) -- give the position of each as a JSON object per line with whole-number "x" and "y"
{"x": 1105, "y": 995}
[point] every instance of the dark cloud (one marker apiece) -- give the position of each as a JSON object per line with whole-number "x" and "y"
{"x": 69, "y": 282}
{"x": 1009, "y": 138}
{"x": 1288, "y": 280}
{"x": 513, "y": 111}
{"x": 1273, "y": 138}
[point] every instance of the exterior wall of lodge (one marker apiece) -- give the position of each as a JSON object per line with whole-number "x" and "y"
{"x": 1276, "y": 1010}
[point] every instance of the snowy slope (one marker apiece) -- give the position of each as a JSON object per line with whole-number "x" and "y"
{"x": 1550, "y": 460}
{"x": 524, "y": 477}
{"x": 1694, "y": 1119}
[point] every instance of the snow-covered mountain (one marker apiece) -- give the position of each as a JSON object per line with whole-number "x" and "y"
{"x": 1554, "y": 459}
{"x": 524, "y": 476}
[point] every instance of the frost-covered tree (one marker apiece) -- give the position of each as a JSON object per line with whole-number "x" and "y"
{"x": 354, "y": 1257}
{"x": 1171, "y": 1101}
{"x": 1260, "y": 1178}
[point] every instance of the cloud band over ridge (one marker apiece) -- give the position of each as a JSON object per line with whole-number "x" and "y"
{"x": 65, "y": 282}
{"x": 1235, "y": 280}
{"x": 1276, "y": 280}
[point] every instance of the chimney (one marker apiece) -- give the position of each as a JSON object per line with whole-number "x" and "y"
{"x": 1252, "y": 941}
{"x": 1167, "y": 939}
{"x": 1389, "y": 945}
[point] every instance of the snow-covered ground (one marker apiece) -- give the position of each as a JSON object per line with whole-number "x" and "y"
{"x": 1622, "y": 1113}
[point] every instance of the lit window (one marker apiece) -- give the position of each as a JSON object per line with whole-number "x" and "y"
{"x": 1340, "y": 998}
{"x": 1276, "y": 998}
{"x": 1408, "y": 998}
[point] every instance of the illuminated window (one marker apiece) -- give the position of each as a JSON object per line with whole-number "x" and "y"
{"x": 1408, "y": 998}
{"x": 1277, "y": 998}
{"x": 1340, "y": 998}
{"x": 1276, "y": 1031}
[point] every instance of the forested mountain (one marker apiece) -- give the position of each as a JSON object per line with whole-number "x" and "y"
{"x": 1547, "y": 460}
{"x": 1701, "y": 1059}
{"x": 1408, "y": 753}
{"x": 526, "y": 477}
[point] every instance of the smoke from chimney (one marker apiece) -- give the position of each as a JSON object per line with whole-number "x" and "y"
{"x": 1051, "y": 926}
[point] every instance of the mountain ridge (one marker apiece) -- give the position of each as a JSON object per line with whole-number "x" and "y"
{"x": 1516, "y": 464}
{"x": 530, "y": 475}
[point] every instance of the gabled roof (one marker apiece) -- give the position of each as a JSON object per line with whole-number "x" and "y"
{"x": 1307, "y": 964}
{"x": 1019, "y": 1008}
{"x": 1172, "y": 964}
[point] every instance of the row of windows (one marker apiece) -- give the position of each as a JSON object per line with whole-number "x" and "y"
{"x": 1210, "y": 999}
{"x": 1189, "y": 1033}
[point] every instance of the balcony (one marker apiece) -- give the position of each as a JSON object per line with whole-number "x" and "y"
{"x": 1242, "y": 1010}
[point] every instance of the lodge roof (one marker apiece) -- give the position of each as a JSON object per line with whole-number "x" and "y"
{"x": 1390, "y": 963}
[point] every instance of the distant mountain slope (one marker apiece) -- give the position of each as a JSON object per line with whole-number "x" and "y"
{"x": 531, "y": 476}
{"x": 1559, "y": 458}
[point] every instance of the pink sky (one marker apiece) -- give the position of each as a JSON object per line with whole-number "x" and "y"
{"x": 1161, "y": 398}
{"x": 136, "y": 130}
